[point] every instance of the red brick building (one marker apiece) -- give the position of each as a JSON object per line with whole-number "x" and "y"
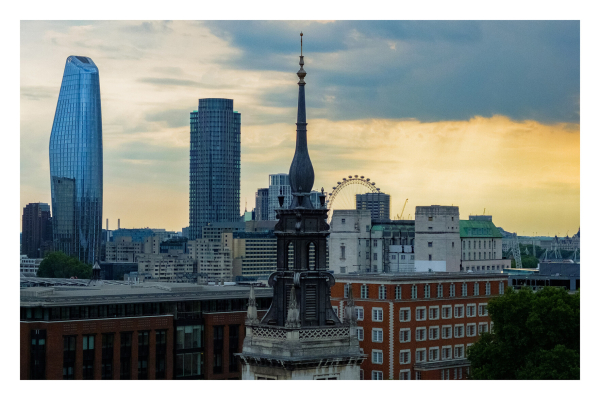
{"x": 147, "y": 331}
{"x": 418, "y": 326}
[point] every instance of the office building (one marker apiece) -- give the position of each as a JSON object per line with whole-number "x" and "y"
{"x": 279, "y": 185}
{"x": 481, "y": 244}
{"x": 417, "y": 326}
{"x": 254, "y": 255}
{"x": 262, "y": 205}
{"x": 76, "y": 162}
{"x": 37, "y": 230}
{"x": 213, "y": 256}
{"x": 377, "y": 203}
{"x": 174, "y": 266}
{"x": 143, "y": 331}
{"x": 30, "y": 266}
{"x": 437, "y": 239}
{"x": 214, "y": 164}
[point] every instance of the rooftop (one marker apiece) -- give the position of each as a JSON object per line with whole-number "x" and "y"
{"x": 409, "y": 277}
{"x": 478, "y": 228}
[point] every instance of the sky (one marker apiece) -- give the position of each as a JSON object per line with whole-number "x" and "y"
{"x": 482, "y": 115}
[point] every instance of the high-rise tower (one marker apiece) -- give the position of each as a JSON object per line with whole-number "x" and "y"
{"x": 76, "y": 162}
{"x": 214, "y": 164}
{"x": 301, "y": 336}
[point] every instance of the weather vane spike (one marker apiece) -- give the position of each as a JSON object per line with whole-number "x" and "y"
{"x": 301, "y": 34}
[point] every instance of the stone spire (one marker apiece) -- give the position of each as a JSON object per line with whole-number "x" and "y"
{"x": 350, "y": 310}
{"x": 95, "y": 281}
{"x": 302, "y": 175}
{"x": 293, "y": 316}
{"x": 251, "y": 314}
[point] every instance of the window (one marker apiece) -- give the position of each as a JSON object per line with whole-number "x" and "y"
{"x": 447, "y": 332}
{"x": 143, "y": 352}
{"x": 471, "y": 330}
{"x": 405, "y": 335}
{"x": 421, "y": 316}
{"x": 360, "y": 333}
{"x": 377, "y": 357}
{"x": 377, "y": 314}
{"x": 429, "y": 244}
{"x": 492, "y": 327}
{"x": 483, "y": 310}
{"x": 476, "y": 289}
{"x": 374, "y": 242}
{"x": 126, "y": 339}
{"x": 464, "y": 289}
{"x": 234, "y": 342}
{"x": 398, "y": 292}
{"x": 405, "y": 357}
{"x": 405, "y": 374}
{"x": 418, "y": 375}
{"x": 88, "y": 356}
{"x": 459, "y": 351}
{"x": 430, "y": 219}
{"x": 427, "y": 291}
{"x": 483, "y": 327}
{"x": 434, "y": 354}
{"x": 342, "y": 252}
{"x": 405, "y": 314}
{"x": 414, "y": 291}
{"x": 346, "y": 290}
{"x": 488, "y": 289}
{"x": 440, "y": 290}
{"x": 420, "y": 355}
{"x": 430, "y": 257}
{"x": 343, "y": 221}
{"x": 382, "y": 292}
{"x": 459, "y": 311}
{"x": 377, "y": 375}
{"x": 434, "y": 312}
{"x": 452, "y": 290}
{"x": 470, "y": 310}
{"x": 218, "y": 332}
{"x": 501, "y": 287}
{"x": 421, "y": 334}
{"x": 445, "y": 374}
{"x": 459, "y": 331}
{"x": 69, "y": 356}
{"x": 446, "y": 312}
{"x": 189, "y": 337}
{"x": 434, "y": 332}
{"x": 377, "y": 335}
{"x": 362, "y": 374}
{"x": 342, "y": 270}
{"x": 161, "y": 351}
{"x": 107, "y": 355}
{"x": 364, "y": 292}
{"x": 360, "y": 313}
{"x": 446, "y": 352}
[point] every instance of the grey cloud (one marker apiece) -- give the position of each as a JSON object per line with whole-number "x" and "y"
{"x": 174, "y": 118}
{"x": 38, "y": 92}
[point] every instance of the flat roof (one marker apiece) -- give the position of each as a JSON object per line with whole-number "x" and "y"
{"x": 419, "y": 276}
{"x": 139, "y": 293}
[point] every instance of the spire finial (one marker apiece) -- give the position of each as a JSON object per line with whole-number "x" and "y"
{"x": 301, "y": 34}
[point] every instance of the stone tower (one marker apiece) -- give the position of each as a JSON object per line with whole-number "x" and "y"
{"x": 301, "y": 337}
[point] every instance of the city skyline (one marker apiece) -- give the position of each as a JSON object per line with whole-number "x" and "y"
{"x": 428, "y": 110}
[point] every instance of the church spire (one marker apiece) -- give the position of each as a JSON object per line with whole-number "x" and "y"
{"x": 302, "y": 175}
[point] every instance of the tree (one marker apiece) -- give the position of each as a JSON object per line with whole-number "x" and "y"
{"x": 535, "y": 336}
{"x": 59, "y": 265}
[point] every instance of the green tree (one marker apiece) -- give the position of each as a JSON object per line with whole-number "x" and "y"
{"x": 536, "y": 336}
{"x": 59, "y": 265}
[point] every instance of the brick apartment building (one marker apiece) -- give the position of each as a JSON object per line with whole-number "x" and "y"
{"x": 146, "y": 331}
{"x": 418, "y": 326}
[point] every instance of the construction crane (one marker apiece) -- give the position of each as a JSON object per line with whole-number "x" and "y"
{"x": 402, "y": 213}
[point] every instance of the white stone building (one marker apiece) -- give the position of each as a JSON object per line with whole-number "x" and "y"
{"x": 437, "y": 239}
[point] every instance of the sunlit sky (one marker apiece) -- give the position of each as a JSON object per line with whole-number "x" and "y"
{"x": 474, "y": 114}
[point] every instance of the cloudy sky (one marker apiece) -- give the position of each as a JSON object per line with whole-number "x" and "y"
{"x": 475, "y": 114}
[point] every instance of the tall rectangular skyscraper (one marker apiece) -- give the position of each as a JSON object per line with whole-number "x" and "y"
{"x": 262, "y": 204}
{"x": 214, "y": 164}
{"x": 37, "y": 230}
{"x": 378, "y": 203}
{"x": 76, "y": 162}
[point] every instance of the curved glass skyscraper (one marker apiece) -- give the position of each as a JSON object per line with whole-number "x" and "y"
{"x": 214, "y": 164}
{"x": 76, "y": 162}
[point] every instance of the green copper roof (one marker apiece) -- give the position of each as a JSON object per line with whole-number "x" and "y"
{"x": 478, "y": 229}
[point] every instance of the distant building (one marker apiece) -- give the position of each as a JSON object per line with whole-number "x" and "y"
{"x": 358, "y": 243}
{"x": 30, "y": 265}
{"x": 136, "y": 235}
{"x": 377, "y": 203}
{"x": 76, "y": 162}
{"x": 213, "y": 256}
{"x": 254, "y": 254}
{"x": 262, "y": 205}
{"x": 279, "y": 184}
{"x": 37, "y": 230}
{"x": 481, "y": 244}
{"x": 214, "y": 164}
{"x": 437, "y": 239}
{"x": 165, "y": 267}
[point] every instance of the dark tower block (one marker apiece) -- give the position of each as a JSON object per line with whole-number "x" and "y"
{"x": 301, "y": 337}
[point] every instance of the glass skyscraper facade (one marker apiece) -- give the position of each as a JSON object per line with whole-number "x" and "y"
{"x": 76, "y": 162}
{"x": 214, "y": 164}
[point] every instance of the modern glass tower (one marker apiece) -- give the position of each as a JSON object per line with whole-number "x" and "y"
{"x": 214, "y": 164}
{"x": 76, "y": 162}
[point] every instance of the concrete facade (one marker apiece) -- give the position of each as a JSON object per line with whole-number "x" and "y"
{"x": 437, "y": 239}
{"x": 165, "y": 266}
{"x": 254, "y": 254}
{"x": 213, "y": 256}
{"x": 481, "y": 245}
{"x": 377, "y": 203}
